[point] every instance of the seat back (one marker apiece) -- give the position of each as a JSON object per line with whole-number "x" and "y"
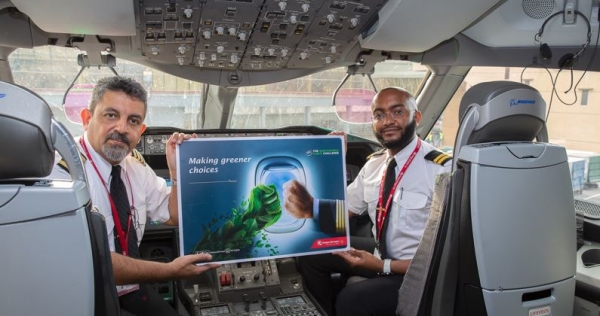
{"x": 53, "y": 261}
{"x": 506, "y": 237}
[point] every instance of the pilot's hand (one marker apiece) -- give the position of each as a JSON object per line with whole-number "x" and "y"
{"x": 340, "y": 133}
{"x": 175, "y": 139}
{"x": 361, "y": 259}
{"x": 185, "y": 267}
{"x": 297, "y": 201}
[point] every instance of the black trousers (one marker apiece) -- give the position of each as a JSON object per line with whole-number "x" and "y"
{"x": 376, "y": 296}
{"x": 145, "y": 302}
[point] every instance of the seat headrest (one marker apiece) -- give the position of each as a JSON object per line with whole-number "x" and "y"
{"x": 506, "y": 111}
{"x": 26, "y": 148}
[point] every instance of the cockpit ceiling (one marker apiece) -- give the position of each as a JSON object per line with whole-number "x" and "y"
{"x": 251, "y": 42}
{"x": 254, "y": 35}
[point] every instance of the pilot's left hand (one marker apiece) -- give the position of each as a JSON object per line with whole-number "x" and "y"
{"x": 340, "y": 133}
{"x": 175, "y": 139}
{"x": 361, "y": 259}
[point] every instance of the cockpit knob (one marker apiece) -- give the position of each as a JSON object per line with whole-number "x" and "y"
{"x": 330, "y": 18}
{"x": 188, "y": 12}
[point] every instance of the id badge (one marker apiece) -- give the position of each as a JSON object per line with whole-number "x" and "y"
{"x": 126, "y": 289}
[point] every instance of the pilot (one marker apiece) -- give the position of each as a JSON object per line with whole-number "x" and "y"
{"x": 397, "y": 200}
{"x": 128, "y": 192}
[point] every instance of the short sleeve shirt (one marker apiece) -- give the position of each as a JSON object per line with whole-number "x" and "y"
{"x": 411, "y": 201}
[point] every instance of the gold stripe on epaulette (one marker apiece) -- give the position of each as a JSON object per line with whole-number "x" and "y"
{"x": 63, "y": 164}
{"x": 438, "y": 157}
{"x": 138, "y": 156}
{"x": 376, "y": 154}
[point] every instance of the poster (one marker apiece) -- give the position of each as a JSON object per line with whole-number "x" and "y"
{"x": 253, "y": 198}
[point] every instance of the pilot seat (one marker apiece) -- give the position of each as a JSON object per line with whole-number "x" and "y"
{"x": 55, "y": 255}
{"x": 501, "y": 237}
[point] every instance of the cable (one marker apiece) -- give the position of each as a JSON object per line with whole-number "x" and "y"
{"x": 555, "y": 79}
{"x": 535, "y": 63}
{"x": 582, "y": 75}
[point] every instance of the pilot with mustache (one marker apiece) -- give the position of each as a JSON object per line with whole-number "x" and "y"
{"x": 399, "y": 216}
{"x": 113, "y": 124}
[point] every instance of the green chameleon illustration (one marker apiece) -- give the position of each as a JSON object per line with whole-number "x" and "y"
{"x": 261, "y": 210}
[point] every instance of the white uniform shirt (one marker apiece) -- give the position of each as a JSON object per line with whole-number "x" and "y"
{"x": 150, "y": 192}
{"x": 411, "y": 201}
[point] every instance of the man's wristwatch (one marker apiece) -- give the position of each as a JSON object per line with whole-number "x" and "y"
{"x": 387, "y": 267}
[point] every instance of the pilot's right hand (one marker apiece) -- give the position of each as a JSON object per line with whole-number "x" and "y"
{"x": 186, "y": 266}
{"x": 297, "y": 201}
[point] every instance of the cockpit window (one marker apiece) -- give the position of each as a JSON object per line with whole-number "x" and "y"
{"x": 308, "y": 100}
{"x": 176, "y": 102}
{"x": 571, "y": 118}
{"x": 48, "y": 71}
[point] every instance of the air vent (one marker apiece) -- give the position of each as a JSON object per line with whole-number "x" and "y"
{"x": 590, "y": 210}
{"x": 538, "y": 9}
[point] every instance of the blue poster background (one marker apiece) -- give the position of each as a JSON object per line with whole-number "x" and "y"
{"x": 216, "y": 177}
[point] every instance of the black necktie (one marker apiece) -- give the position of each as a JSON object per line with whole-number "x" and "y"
{"x": 390, "y": 178}
{"x": 121, "y": 200}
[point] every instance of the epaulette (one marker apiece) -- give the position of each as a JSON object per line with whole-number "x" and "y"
{"x": 138, "y": 156}
{"x": 438, "y": 157}
{"x": 63, "y": 164}
{"x": 376, "y": 154}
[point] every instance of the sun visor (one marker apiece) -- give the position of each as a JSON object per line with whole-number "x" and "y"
{"x": 86, "y": 17}
{"x": 398, "y": 28}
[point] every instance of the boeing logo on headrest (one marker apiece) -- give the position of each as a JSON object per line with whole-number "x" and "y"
{"x": 514, "y": 102}
{"x": 2, "y": 95}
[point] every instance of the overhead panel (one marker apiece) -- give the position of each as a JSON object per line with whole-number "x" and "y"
{"x": 252, "y": 35}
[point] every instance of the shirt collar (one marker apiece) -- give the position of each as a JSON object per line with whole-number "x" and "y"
{"x": 403, "y": 154}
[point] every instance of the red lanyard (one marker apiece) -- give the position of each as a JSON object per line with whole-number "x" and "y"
{"x": 382, "y": 212}
{"x": 123, "y": 237}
